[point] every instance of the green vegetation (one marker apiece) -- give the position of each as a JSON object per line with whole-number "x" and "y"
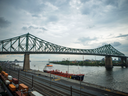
{"x": 85, "y": 63}
{"x": 80, "y": 63}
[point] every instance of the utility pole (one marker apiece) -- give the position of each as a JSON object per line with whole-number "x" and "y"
{"x": 95, "y": 59}
{"x": 83, "y": 59}
{"x": 68, "y": 65}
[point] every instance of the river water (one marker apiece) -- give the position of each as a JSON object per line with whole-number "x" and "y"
{"x": 116, "y": 79}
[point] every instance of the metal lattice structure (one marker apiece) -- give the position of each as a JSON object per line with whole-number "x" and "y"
{"x": 30, "y": 44}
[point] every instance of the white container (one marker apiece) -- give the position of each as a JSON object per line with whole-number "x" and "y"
{"x": 7, "y": 82}
{"x": 9, "y": 77}
{"x": 17, "y": 85}
{"x": 13, "y": 83}
{"x": 35, "y": 93}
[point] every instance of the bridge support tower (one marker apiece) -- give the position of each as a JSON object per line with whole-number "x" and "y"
{"x": 26, "y": 65}
{"x": 108, "y": 63}
{"x": 124, "y": 62}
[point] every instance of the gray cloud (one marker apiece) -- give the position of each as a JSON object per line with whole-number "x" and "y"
{"x": 4, "y": 23}
{"x": 111, "y": 2}
{"x": 106, "y": 11}
{"x": 85, "y": 40}
{"x": 32, "y": 7}
{"x": 86, "y": 10}
{"x": 123, "y": 48}
{"x": 43, "y": 29}
{"x": 52, "y": 18}
{"x": 24, "y": 28}
{"x": 84, "y": 1}
{"x": 90, "y": 26}
{"x": 37, "y": 6}
{"x": 68, "y": 17}
{"x": 35, "y": 16}
{"x": 123, "y": 35}
{"x": 32, "y": 27}
{"x": 89, "y": 8}
{"x": 113, "y": 44}
{"x": 116, "y": 44}
{"x": 62, "y": 5}
{"x": 104, "y": 43}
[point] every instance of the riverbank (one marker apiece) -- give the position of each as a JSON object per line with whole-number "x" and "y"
{"x": 85, "y": 63}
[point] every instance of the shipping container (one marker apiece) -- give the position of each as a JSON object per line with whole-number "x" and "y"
{"x": 3, "y": 72}
{"x": 17, "y": 85}
{"x": 7, "y": 82}
{"x": 15, "y": 81}
{"x": 12, "y": 87}
{"x": 9, "y": 77}
{"x": 3, "y": 78}
{"x": 6, "y": 75}
{"x": 24, "y": 88}
{"x": 18, "y": 93}
{"x": 35, "y": 93}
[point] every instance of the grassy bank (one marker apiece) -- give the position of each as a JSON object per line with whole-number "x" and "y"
{"x": 85, "y": 63}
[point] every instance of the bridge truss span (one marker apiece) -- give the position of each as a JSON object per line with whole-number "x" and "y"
{"x": 31, "y": 44}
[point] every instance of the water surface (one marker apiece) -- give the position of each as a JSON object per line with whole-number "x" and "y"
{"x": 116, "y": 79}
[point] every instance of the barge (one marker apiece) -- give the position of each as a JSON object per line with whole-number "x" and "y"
{"x": 49, "y": 69}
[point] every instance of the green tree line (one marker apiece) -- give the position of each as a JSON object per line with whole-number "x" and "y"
{"x": 85, "y": 63}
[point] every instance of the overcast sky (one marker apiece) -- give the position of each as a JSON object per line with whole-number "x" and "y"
{"x": 83, "y": 24}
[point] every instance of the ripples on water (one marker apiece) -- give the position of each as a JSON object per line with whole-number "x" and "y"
{"x": 116, "y": 79}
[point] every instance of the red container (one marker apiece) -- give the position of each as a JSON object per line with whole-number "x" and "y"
{"x": 15, "y": 81}
{"x": 18, "y": 93}
{"x": 3, "y": 78}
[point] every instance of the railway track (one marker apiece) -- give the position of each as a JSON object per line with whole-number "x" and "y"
{"x": 59, "y": 90}
{"x": 42, "y": 88}
{"x": 47, "y": 87}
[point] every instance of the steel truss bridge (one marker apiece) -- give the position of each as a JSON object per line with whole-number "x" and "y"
{"x": 28, "y": 44}
{"x": 31, "y": 44}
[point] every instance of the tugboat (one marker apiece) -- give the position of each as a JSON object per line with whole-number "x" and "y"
{"x": 49, "y": 69}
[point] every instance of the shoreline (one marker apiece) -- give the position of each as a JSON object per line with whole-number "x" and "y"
{"x": 81, "y": 64}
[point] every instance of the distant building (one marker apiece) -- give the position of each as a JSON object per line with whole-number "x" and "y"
{"x": 15, "y": 60}
{"x": 87, "y": 60}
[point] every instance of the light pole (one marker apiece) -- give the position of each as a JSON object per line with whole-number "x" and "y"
{"x": 68, "y": 59}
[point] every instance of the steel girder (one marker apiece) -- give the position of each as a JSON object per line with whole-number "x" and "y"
{"x": 32, "y": 44}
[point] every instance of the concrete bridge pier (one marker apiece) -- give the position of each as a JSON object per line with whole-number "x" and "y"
{"x": 124, "y": 62}
{"x": 108, "y": 63}
{"x": 26, "y": 65}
